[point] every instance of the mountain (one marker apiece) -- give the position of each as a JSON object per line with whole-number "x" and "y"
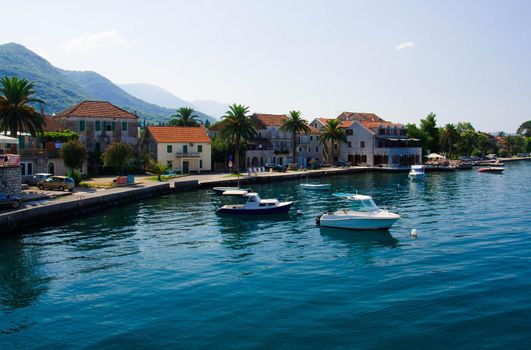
{"x": 157, "y": 95}
{"x": 61, "y": 89}
{"x": 213, "y": 108}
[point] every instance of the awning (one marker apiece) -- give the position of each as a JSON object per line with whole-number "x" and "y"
{"x": 8, "y": 140}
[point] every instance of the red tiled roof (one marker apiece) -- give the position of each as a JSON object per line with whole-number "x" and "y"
{"x": 52, "y": 124}
{"x": 375, "y": 125}
{"x": 368, "y": 117}
{"x": 346, "y": 124}
{"x": 97, "y": 109}
{"x": 323, "y": 120}
{"x": 263, "y": 120}
{"x": 314, "y": 130}
{"x": 172, "y": 134}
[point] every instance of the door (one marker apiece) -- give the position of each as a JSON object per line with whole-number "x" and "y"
{"x": 186, "y": 167}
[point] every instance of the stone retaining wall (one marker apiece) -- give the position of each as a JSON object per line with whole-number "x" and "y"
{"x": 10, "y": 179}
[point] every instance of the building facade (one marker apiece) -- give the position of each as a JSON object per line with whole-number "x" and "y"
{"x": 183, "y": 149}
{"x": 100, "y": 123}
{"x": 373, "y": 141}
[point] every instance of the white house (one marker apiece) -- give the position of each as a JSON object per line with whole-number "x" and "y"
{"x": 183, "y": 149}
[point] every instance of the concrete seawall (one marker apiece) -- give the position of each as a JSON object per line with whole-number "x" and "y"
{"x": 52, "y": 211}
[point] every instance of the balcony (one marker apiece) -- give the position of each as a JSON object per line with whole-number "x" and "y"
{"x": 188, "y": 154}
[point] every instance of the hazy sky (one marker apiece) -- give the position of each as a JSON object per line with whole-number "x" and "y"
{"x": 464, "y": 60}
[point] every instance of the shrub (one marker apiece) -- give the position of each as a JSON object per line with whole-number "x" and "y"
{"x": 118, "y": 155}
{"x": 73, "y": 154}
{"x": 75, "y": 175}
{"x": 503, "y": 153}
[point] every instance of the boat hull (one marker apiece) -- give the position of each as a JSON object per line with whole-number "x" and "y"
{"x": 490, "y": 170}
{"x": 283, "y": 208}
{"x": 316, "y": 187}
{"x": 350, "y": 223}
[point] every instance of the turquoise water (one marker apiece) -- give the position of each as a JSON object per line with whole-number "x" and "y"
{"x": 168, "y": 273}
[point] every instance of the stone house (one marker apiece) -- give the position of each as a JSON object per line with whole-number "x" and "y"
{"x": 375, "y": 142}
{"x": 183, "y": 149}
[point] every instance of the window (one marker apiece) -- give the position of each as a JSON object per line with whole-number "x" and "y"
{"x": 108, "y": 126}
{"x": 300, "y": 149}
{"x": 124, "y": 126}
{"x": 311, "y": 138}
{"x": 81, "y": 125}
{"x": 362, "y": 144}
{"x": 200, "y": 164}
{"x": 349, "y": 144}
{"x": 199, "y": 148}
{"x": 98, "y": 125}
{"x": 349, "y": 132}
{"x": 335, "y": 146}
{"x": 185, "y": 148}
{"x": 113, "y": 126}
{"x": 316, "y": 149}
{"x": 169, "y": 164}
{"x": 169, "y": 149}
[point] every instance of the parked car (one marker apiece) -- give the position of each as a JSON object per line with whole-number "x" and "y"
{"x": 60, "y": 183}
{"x": 33, "y": 180}
{"x": 11, "y": 201}
{"x": 276, "y": 167}
{"x": 341, "y": 163}
{"x": 522, "y": 155}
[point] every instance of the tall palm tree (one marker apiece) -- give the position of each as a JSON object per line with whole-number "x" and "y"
{"x": 184, "y": 117}
{"x": 333, "y": 133}
{"x": 237, "y": 127}
{"x": 16, "y": 113}
{"x": 449, "y": 138}
{"x": 295, "y": 125}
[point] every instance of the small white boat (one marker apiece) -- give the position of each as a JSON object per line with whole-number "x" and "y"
{"x": 235, "y": 193}
{"x": 364, "y": 214}
{"x": 256, "y": 206}
{"x": 316, "y": 186}
{"x": 222, "y": 190}
{"x": 417, "y": 172}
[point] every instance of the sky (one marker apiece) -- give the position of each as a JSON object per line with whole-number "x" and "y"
{"x": 463, "y": 60}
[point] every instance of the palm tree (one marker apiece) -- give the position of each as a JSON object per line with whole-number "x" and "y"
{"x": 332, "y": 132}
{"x": 237, "y": 127}
{"x": 184, "y": 117}
{"x": 16, "y": 113}
{"x": 449, "y": 138}
{"x": 295, "y": 125}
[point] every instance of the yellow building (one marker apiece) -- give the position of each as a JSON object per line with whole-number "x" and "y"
{"x": 184, "y": 149}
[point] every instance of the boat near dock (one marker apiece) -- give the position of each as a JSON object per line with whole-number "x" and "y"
{"x": 417, "y": 172}
{"x": 256, "y": 206}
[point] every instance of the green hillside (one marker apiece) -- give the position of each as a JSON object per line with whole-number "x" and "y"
{"x": 61, "y": 89}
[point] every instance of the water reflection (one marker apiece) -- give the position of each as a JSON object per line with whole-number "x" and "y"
{"x": 21, "y": 281}
{"x": 366, "y": 238}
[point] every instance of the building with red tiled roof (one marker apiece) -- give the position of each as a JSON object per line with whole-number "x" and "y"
{"x": 264, "y": 120}
{"x": 100, "y": 123}
{"x": 183, "y": 149}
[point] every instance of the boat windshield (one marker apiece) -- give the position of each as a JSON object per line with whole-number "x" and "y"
{"x": 364, "y": 205}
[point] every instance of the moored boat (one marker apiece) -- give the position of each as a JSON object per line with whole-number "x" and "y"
{"x": 256, "y": 206}
{"x": 491, "y": 169}
{"x": 417, "y": 172}
{"x": 364, "y": 214}
{"x": 221, "y": 190}
{"x": 316, "y": 186}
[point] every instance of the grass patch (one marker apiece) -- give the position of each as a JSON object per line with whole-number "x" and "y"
{"x": 233, "y": 175}
{"x": 97, "y": 184}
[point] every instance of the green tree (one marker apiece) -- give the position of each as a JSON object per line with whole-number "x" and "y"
{"x": 461, "y": 127}
{"x": 294, "y": 125}
{"x": 525, "y": 129}
{"x": 184, "y": 117}
{"x": 333, "y": 133}
{"x": 73, "y": 154}
{"x": 515, "y": 144}
{"x": 415, "y": 133}
{"x": 429, "y": 127}
{"x": 16, "y": 112}
{"x": 484, "y": 143}
{"x": 118, "y": 155}
{"x": 467, "y": 140}
{"x": 449, "y": 136}
{"x": 236, "y": 127}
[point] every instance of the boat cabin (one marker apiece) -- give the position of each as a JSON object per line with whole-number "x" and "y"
{"x": 362, "y": 203}
{"x": 254, "y": 201}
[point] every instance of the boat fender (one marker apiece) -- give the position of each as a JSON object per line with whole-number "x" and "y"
{"x": 414, "y": 233}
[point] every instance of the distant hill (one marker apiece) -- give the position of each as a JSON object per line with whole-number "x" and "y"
{"x": 159, "y": 96}
{"x": 61, "y": 89}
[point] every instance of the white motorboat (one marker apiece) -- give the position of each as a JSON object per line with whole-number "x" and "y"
{"x": 222, "y": 190}
{"x": 256, "y": 206}
{"x": 237, "y": 193}
{"x": 364, "y": 214}
{"x": 316, "y": 186}
{"x": 417, "y": 172}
